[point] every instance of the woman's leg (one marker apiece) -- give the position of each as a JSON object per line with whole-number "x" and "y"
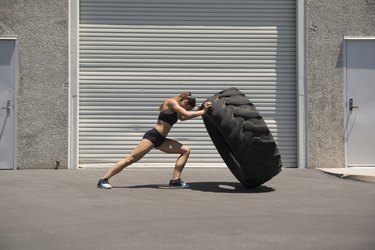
{"x": 174, "y": 147}
{"x": 143, "y": 148}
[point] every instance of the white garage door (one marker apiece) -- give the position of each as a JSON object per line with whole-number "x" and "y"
{"x": 134, "y": 54}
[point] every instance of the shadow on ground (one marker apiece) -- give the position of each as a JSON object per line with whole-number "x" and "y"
{"x": 217, "y": 187}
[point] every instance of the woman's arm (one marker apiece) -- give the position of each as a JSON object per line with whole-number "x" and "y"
{"x": 182, "y": 113}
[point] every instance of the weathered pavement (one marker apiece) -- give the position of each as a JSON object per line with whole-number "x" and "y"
{"x": 298, "y": 209}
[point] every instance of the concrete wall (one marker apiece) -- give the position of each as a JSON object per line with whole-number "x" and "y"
{"x": 42, "y": 30}
{"x": 42, "y": 122}
{"x": 327, "y": 24}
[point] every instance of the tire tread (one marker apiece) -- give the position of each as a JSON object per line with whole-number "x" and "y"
{"x": 242, "y": 138}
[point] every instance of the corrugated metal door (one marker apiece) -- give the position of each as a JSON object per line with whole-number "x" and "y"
{"x": 134, "y": 54}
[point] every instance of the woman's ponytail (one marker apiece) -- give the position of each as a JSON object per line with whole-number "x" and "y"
{"x": 181, "y": 97}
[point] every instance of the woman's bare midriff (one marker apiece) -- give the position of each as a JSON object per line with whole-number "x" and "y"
{"x": 163, "y": 128}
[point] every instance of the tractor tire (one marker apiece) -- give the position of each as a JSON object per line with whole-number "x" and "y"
{"x": 242, "y": 138}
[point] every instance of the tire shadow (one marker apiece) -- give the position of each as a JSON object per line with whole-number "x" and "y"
{"x": 228, "y": 187}
{"x": 215, "y": 187}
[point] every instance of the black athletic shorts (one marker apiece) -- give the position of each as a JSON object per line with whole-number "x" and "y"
{"x": 155, "y": 137}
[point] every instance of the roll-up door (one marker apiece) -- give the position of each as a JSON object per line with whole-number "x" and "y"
{"x": 134, "y": 54}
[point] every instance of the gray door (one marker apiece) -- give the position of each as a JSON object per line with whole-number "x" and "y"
{"x": 7, "y": 116}
{"x": 360, "y": 99}
{"x": 133, "y": 54}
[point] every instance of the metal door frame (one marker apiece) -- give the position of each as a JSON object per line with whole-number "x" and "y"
{"x": 15, "y": 39}
{"x": 345, "y": 104}
{"x": 301, "y": 98}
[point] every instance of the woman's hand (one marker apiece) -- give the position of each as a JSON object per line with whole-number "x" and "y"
{"x": 205, "y": 106}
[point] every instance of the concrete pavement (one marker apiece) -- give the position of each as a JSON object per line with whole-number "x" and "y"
{"x": 353, "y": 173}
{"x": 297, "y": 210}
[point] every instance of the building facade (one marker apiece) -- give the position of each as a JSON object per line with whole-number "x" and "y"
{"x": 90, "y": 74}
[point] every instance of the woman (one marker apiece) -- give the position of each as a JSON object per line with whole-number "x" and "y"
{"x": 171, "y": 110}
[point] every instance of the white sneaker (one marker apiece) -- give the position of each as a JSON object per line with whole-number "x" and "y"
{"x": 178, "y": 184}
{"x": 104, "y": 184}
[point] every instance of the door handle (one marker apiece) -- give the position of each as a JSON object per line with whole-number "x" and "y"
{"x": 351, "y": 105}
{"x": 7, "y": 107}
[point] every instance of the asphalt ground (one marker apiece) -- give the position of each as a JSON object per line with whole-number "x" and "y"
{"x": 298, "y": 209}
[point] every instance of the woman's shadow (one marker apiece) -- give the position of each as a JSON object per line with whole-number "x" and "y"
{"x": 216, "y": 187}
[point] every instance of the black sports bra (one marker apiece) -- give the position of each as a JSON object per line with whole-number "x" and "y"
{"x": 168, "y": 118}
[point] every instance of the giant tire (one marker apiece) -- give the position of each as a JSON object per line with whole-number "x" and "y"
{"x": 242, "y": 138}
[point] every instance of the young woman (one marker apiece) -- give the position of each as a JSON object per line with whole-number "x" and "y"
{"x": 171, "y": 110}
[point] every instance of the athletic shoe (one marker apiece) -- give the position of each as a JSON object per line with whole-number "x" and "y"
{"x": 178, "y": 184}
{"x": 104, "y": 184}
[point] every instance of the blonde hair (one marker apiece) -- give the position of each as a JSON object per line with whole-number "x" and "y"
{"x": 181, "y": 97}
